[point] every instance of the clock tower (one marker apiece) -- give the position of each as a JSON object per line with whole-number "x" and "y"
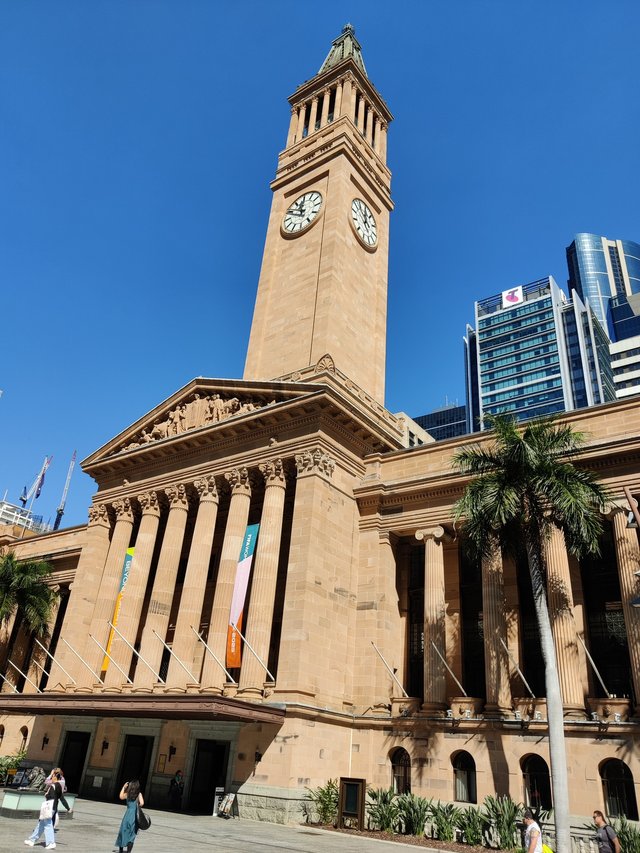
{"x": 323, "y": 282}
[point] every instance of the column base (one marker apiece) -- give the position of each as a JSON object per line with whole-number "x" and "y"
{"x": 250, "y": 693}
{"x": 434, "y": 709}
{"x": 213, "y": 689}
{"x": 575, "y": 712}
{"x": 497, "y": 712}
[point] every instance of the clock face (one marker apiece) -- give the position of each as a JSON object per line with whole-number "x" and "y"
{"x": 302, "y": 212}
{"x": 364, "y": 222}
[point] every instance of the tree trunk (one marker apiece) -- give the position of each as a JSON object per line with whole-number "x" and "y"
{"x": 555, "y": 715}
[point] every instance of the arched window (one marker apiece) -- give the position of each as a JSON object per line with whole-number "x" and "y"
{"x": 464, "y": 774}
{"x": 24, "y": 731}
{"x": 537, "y": 786}
{"x": 618, "y": 789}
{"x": 401, "y": 771}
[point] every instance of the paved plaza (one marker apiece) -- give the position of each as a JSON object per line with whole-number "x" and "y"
{"x": 94, "y": 827}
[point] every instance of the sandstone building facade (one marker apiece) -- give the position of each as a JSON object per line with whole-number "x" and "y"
{"x": 364, "y": 624}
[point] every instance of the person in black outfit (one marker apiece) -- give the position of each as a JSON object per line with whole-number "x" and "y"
{"x": 54, "y": 792}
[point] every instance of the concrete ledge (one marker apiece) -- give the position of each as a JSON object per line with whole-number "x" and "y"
{"x": 17, "y": 803}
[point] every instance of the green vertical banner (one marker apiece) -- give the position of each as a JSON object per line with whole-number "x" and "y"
{"x": 126, "y": 568}
{"x": 240, "y": 587}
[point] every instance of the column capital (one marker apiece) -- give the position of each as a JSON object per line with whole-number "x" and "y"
{"x": 315, "y": 462}
{"x": 177, "y": 496}
{"x": 273, "y": 473}
{"x": 437, "y": 533}
{"x": 239, "y": 480}
{"x": 207, "y": 489}
{"x": 614, "y": 507}
{"x": 123, "y": 510}
{"x": 149, "y": 503}
{"x": 98, "y": 515}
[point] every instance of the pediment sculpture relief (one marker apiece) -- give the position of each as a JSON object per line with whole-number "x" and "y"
{"x": 198, "y": 411}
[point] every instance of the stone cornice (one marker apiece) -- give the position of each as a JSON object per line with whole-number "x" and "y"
{"x": 156, "y": 706}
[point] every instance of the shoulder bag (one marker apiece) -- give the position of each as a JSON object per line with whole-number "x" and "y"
{"x": 46, "y": 810}
{"x": 143, "y": 821}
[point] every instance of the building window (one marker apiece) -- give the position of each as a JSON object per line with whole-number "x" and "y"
{"x": 1, "y": 734}
{"x": 618, "y": 789}
{"x": 24, "y": 731}
{"x": 537, "y": 786}
{"x": 401, "y": 771}
{"x": 464, "y": 774}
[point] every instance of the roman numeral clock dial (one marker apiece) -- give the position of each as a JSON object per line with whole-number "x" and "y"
{"x": 364, "y": 224}
{"x": 302, "y": 213}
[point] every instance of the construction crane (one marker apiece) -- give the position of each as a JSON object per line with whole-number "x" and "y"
{"x": 36, "y": 487}
{"x": 60, "y": 510}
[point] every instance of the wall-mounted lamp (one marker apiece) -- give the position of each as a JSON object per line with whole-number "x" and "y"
{"x": 517, "y": 715}
{"x": 537, "y": 715}
{"x": 105, "y": 747}
{"x": 258, "y": 757}
{"x": 45, "y": 741}
{"x": 594, "y": 716}
{"x": 449, "y": 714}
{"x": 617, "y": 718}
{"x": 172, "y": 751}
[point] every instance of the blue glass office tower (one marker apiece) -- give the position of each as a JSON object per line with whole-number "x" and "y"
{"x": 533, "y": 352}
{"x": 602, "y": 270}
{"x": 447, "y": 422}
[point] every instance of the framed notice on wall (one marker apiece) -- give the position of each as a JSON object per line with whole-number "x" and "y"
{"x": 162, "y": 760}
{"x": 351, "y": 803}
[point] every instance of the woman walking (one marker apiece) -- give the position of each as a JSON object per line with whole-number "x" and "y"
{"x": 129, "y": 827}
{"x": 54, "y": 794}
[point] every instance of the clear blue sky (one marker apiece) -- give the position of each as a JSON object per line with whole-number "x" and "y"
{"x": 137, "y": 142}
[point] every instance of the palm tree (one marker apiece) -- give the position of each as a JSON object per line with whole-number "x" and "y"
{"x": 25, "y": 592}
{"x": 523, "y": 485}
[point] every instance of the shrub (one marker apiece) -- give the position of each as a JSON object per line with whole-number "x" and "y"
{"x": 383, "y": 809}
{"x": 628, "y": 835}
{"x": 414, "y": 812}
{"x": 503, "y": 814}
{"x": 10, "y": 762}
{"x": 325, "y": 801}
{"x": 473, "y": 823}
{"x": 445, "y": 817}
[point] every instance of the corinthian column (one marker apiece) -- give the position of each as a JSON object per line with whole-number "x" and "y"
{"x": 151, "y": 648}
{"x": 263, "y": 588}
{"x": 563, "y": 625}
{"x": 313, "y": 116}
{"x": 134, "y": 591}
{"x": 496, "y": 659}
{"x": 82, "y": 599}
{"x": 107, "y": 593}
{"x": 293, "y": 124}
{"x": 195, "y": 582}
{"x": 434, "y": 619}
{"x": 628, "y": 558}
{"x": 213, "y": 677}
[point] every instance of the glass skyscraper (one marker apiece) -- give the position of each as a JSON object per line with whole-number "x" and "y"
{"x": 602, "y": 270}
{"x": 534, "y": 352}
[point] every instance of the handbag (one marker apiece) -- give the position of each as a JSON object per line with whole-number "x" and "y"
{"x": 46, "y": 810}
{"x": 143, "y": 821}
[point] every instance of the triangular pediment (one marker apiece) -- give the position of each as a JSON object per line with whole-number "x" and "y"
{"x": 201, "y": 405}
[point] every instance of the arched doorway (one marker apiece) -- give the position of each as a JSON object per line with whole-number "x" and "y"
{"x": 537, "y": 785}
{"x": 464, "y": 777}
{"x": 401, "y": 771}
{"x": 618, "y": 789}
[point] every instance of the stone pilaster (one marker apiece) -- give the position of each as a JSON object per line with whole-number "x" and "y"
{"x": 302, "y": 109}
{"x": 293, "y": 125}
{"x": 265, "y": 575}
{"x": 106, "y": 597}
{"x": 361, "y": 115}
{"x": 382, "y": 149}
{"x": 325, "y": 107}
{"x": 313, "y": 115}
{"x": 151, "y": 648}
{"x": 434, "y": 619}
{"x": 496, "y": 659}
{"x": 82, "y": 598}
{"x": 563, "y": 627}
{"x": 369, "y": 125}
{"x": 213, "y": 677}
{"x": 195, "y": 582}
{"x": 134, "y": 591}
{"x": 628, "y": 558}
{"x": 337, "y": 107}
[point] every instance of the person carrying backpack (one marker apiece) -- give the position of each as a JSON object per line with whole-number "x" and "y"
{"x": 605, "y": 834}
